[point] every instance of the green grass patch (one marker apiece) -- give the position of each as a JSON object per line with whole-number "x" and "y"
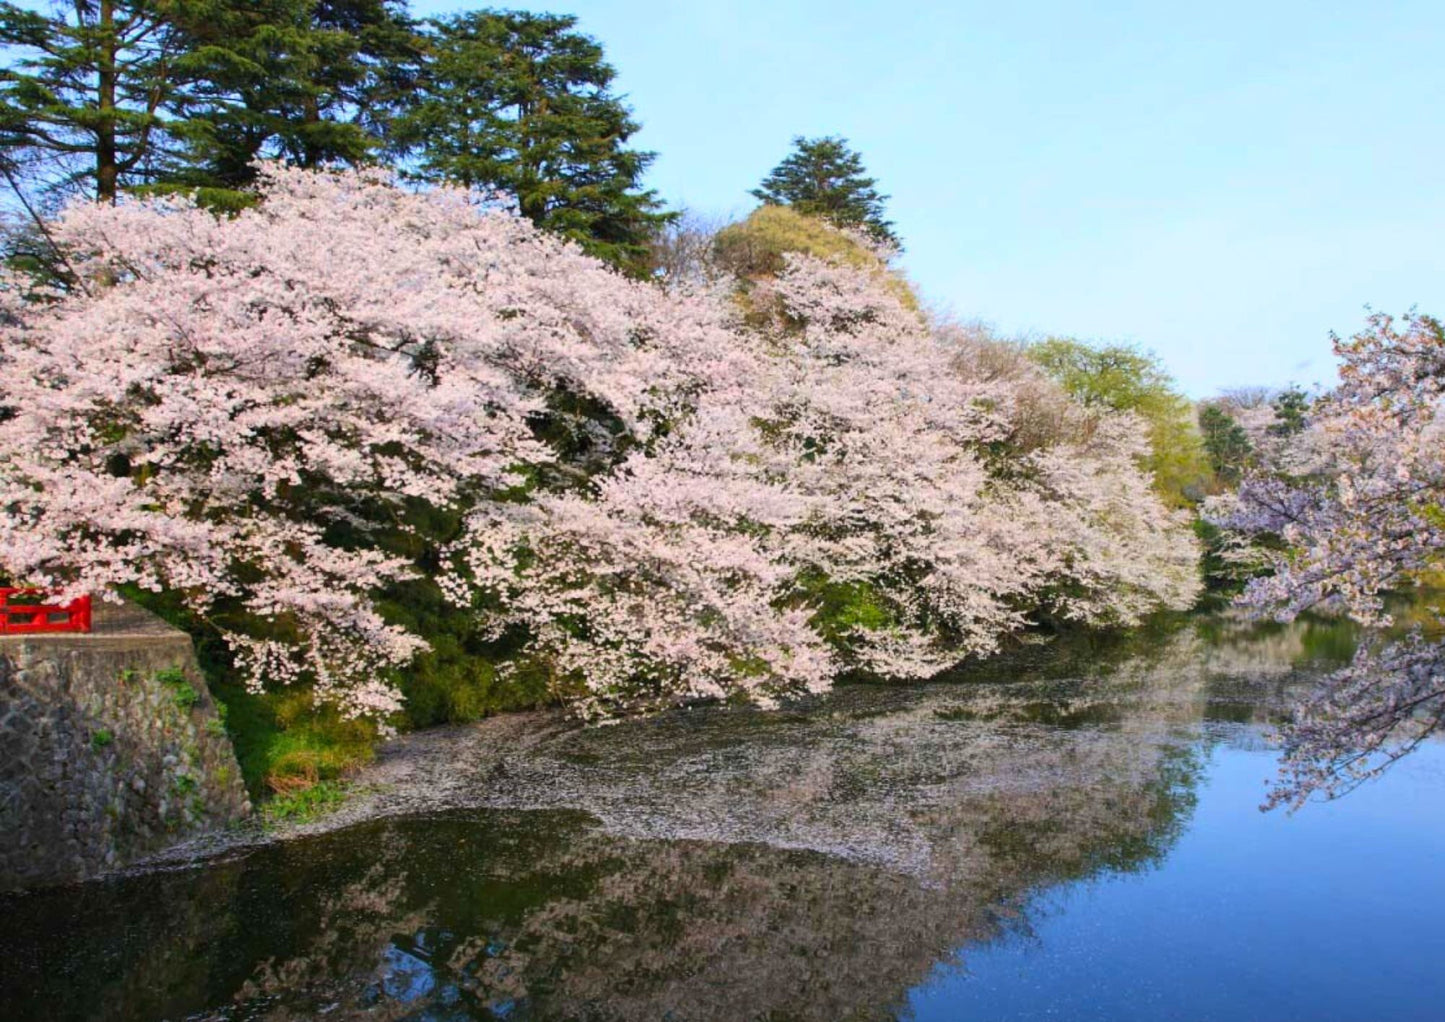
{"x": 284, "y": 744}
{"x": 100, "y": 738}
{"x": 306, "y": 804}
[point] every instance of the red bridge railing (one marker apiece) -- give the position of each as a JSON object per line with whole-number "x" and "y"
{"x": 29, "y": 615}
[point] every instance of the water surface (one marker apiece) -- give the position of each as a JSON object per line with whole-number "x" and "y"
{"x": 1071, "y": 832}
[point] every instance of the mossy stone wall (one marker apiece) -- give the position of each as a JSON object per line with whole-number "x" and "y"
{"x": 111, "y": 748}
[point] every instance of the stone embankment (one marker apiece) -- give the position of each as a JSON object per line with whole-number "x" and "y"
{"x": 111, "y": 748}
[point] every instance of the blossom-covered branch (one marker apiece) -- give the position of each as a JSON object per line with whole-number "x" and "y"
{"x": 1357, "y": 512}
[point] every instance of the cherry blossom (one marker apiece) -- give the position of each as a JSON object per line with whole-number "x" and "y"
{"x": 223, "y": 394}
{"x": 737, "y": 492}
{"x": 1355, "y": 517}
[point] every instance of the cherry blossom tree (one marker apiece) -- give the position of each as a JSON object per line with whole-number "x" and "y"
{"x": 227, "y": 406}
{"x": 669, "y": 495}
{"x": 1359, "y": 513}
{"x": 839, "y": 508}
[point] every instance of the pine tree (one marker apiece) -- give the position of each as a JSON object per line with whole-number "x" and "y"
{"x": 822, "y": 177}
{"x": 310, "y": 81}
{"x": 1291, "y": 408}
{"x": 83, "y": 92}
{"x": 522, "y": 103}
{"x": 1226, "y": 442}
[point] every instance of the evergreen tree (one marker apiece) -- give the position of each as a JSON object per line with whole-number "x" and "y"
{"x": 83, "y": 91}
{"x": 1226, "y": 442}
{"x": 822, "y": 177}
{"x": 1290, "y": 409}
{"x": 310, "y": 81}
{"x": 522, "y": 103}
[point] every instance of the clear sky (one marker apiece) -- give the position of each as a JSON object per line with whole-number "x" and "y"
{"x": 1221, "y": 182}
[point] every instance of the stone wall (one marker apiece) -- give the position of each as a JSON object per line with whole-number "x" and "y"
{"x": 110, "y": 748}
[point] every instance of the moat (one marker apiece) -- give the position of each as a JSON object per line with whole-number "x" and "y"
{"x": 1071, "y": 831}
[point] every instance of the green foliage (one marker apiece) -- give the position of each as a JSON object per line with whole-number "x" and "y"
{"x": 84, "y": 88}
{"x": 1291, "y": 407}
{"x": 285, "y": 744}
{"x": 1223, "y": 578}
{"x": 459, "y": 678}
{"x": 314, "y": 83}
{"x": 755, "y": 247}
{"x": 100, "y": 738}
{"x": 842, "y": 608}
{"x": 185, "y": 95}
{"x": 182, "y": 691}
{"x": 822, "y": 177}
{"x": 306, "y": 804}
{"x": 1226, "y": 442}
{"x": 185, "y": 784}
{"x": 1124, "y": 379}
{"x": 171, "y": 676}
{"x": 217, "y": 724}
{"x": 523, "y": 103}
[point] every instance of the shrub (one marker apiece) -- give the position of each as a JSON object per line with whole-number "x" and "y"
{"x": 756, "y": 248}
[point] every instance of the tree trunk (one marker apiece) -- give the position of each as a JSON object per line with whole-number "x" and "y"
{"x": 107, "y": 170}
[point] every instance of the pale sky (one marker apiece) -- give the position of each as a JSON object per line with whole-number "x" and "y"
{"x": 1223, "y": 183}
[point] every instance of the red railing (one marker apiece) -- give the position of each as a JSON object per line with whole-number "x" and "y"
{"x": 27, "y": 618}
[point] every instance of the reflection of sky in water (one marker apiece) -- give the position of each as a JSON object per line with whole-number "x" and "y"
{"x": 404, "y": 976}
{"x": 1335, "y": 913}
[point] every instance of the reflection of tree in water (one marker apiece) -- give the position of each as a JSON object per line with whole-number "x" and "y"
{"x": 804, "y": 865}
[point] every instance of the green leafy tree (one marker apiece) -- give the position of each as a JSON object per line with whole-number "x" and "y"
{"x": 822, "y": 177}
{"x": 1226, "y": 442}
{"x": 523, "y": 103}
{"x": 1123, "y": 378}
{"x": 83, "y": 92}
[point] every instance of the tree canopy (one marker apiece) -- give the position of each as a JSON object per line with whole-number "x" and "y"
{"x": 1125, "y": 379}
{"x": 105, "y": 96}
{"x": 523, "y": 103}
{"x": 83, "y": 96}
{"x": 661, "y": 502}
{"x": 310, "y": 82}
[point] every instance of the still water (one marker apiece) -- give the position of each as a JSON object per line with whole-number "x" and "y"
{"x": 1071, "y": 832}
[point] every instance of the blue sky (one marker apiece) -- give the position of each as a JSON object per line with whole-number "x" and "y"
{"x": 1223, "y": 183}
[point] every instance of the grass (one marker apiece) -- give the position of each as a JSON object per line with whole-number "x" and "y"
{"x": 305, "y": 804}
{"x": 101, "y": 738}
{"x": 182, "y": 691}
{"x": 285, "y": 745}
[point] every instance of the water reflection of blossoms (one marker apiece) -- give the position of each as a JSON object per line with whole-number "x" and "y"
{"x": 808, "y": 864}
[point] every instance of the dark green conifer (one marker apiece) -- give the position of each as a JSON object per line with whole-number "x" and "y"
{"x": 822, "y": 177}
{"x": 523, "y": 103}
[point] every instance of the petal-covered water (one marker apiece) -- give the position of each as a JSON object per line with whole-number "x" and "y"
{"x": 1069, "y": 832}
